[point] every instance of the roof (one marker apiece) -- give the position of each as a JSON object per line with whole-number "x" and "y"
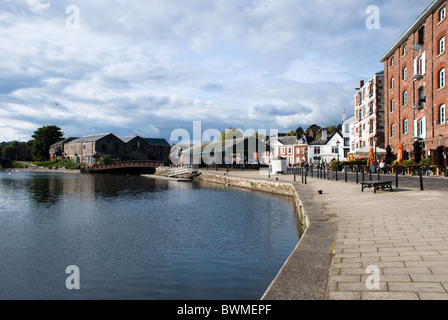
{"x": 413, "y": 28}
{"x": 91, "y": 138}
{"x": 224, "y": 145}
{"x": 157, "y": 142}
{"x": 321, "y": 142}
{"x": 65, "y": 140}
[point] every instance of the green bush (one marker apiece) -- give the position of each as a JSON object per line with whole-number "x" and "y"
{"x": 425, "y": 162}
{"x": 106, "y": 160}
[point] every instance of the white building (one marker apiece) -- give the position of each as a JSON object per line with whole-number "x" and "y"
{"x": 326, "y": 148}
{"x": 348, "y": 134}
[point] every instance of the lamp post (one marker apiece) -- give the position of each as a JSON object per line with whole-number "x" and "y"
{"x": 337, "y": 168}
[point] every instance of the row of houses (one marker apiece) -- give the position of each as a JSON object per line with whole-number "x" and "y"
{"x": 406, "y": 102}
{"x": 313, "y": 147}
{"x": 89, "y": 149}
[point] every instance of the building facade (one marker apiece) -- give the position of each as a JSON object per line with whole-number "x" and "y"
{"x": 369, "y": 121}
{"x": 416, "y": 93}
{"x": 326, "y": 148}
{"x": 89, "y": 149}
{"x": 293, "y": 148}
{"x": 348, "y": 134}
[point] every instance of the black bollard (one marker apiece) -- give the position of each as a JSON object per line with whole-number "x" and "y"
{"x": 421, "y": 178}
{"x": 357, "y": 175}
{"x": 346, "y": 175}
{"x": 396, "y": 178}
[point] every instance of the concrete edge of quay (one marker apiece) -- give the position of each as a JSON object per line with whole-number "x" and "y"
{"x": 305, "y": 274}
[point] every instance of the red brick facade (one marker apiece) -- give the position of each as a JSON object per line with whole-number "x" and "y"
{"x": 416, "y": 88}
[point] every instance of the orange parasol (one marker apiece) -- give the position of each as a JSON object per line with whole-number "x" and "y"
{"x": 371, "y": 156}
{"x": 400, "y": 155}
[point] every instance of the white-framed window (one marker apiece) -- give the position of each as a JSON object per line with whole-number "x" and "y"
{"x": 282, "y": 150}
{"x": 316, "y": 150}
{"x": 335, "y": 150}
{"x": 405, "y": 126}
{"x": 420, "y": 128}
{"x": 442, "y": 13}
{"x": 442, "y": 78}
{"x": 405, "y": 98}
{"x": 392, "y": 105}
{"x": 442, "y": 114}
{"x": 392, "y": 130}
{"x": 441, "y": 45}
{"x": 405, "y": 49}
{"x": 392, "y": 61}
{"x": 289, "y": 150}
{"x": 405, "y": 73}
{"x": 392, "y": 83}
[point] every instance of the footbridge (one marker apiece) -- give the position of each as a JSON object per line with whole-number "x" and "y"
{"x": 125, "y": 167}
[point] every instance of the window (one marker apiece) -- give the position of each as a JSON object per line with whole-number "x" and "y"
{"x": 346, "y": 142}
{"x": 420, "y": 66}
{"x": 421, "y": 97}
{"x": 442, "y": 78}
{"x": 316, "y": 150}
{"x": 441, "y": 45}
{"x": 392, "y": 61}
{"x": 392, "y": 130}
{"x": 420, "y": 128}
{"x": 405, "y": 49}
{"x": 282, "y": 150}
{"x": 405, "y": 98}
{"x": 289, "y": 150}
{"x": 392, "y": 105}
{"x": 371, "y": 107}
{"x": 405, "y": 126}
{"x": 334, "y": 150}
{"x": 442, "y": 114}
{"x": 392, "y": 83}
{"x": 405, "y": 73}
{"x": 371, "y": 126}
{"x": 442, "y": 13}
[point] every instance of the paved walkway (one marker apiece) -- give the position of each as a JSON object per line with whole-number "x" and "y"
{"x": 389, "y": 245}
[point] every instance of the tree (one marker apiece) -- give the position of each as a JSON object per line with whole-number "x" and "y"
{"x": 9, "y": 152}
{"x": 312, "y": 127}
{"x": 291, "y": 134}
{"x": 43, "y": 138}
{"x": 299, "y": 131}
{"x": 231, "y": 133}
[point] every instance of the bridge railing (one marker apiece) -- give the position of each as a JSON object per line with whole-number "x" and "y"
{"x": 121, "y": 164}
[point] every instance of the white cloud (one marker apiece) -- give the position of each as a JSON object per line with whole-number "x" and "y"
{"x": 153, "y": 66}
{"x": 37, "y": 6}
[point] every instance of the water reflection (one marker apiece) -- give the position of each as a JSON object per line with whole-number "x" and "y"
{"x": 139, "y": 238}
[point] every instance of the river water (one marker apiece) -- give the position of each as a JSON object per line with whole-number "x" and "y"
{"x": 134, "y": 237}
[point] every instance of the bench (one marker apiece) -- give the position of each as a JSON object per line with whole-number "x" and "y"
{"x": 377, "y": 185}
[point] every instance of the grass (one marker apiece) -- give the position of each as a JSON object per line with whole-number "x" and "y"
{"x": 68, "y": 164}
{"x": 12, "y": 165}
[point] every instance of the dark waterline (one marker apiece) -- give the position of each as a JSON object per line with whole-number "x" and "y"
{"x": 139, "y": 238}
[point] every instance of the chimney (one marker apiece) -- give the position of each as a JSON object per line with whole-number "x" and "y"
{"x": 361, "y": 84}
{"x": 344, "y": 116}
{"x": 324, "y": 134}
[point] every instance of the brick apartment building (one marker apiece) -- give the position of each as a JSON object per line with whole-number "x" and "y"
{"x": 369, "y": 113}
{"x": 415, "y": 86}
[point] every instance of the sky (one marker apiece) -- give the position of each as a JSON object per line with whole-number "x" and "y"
{"x": 148, "y": 67}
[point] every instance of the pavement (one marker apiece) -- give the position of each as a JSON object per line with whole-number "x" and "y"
{"x": 388, "y": 245}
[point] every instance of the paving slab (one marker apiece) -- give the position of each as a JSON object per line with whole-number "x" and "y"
{"x": 402, "y": 234}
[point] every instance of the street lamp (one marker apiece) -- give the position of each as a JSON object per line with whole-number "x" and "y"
{"x": 337, "y": 169}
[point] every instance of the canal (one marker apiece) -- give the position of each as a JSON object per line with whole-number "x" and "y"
{"x": 134, "y": 237}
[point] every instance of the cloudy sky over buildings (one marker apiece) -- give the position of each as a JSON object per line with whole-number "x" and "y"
{"x": 149, "y": 67}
